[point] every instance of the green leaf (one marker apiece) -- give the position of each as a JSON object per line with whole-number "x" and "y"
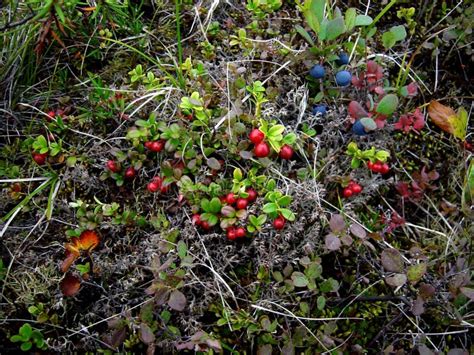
{"x": 416, "y": 272}
{"x": 388, "y": 39}
{"x": 59, "y": 12}
{"x": 71, "y": 161}
{"x": 363, "y": 20}
{"x": 355, "y": 163}
{"x": 350, "y": 18}
{"x": 368, "y": 123}
{"x": 467, "y": 199}
{"x": 284, "y": 201}
{"x": 321, "y": 302}
{"x": 459, "y": 123}
{"x": 182, "y": 249}
{"x": 16, "y": 338}
{"x": 25, "y": 330}
{"x": 299, "y": 279}
{"x": 261, "y": 219}
{"x": 270, "y": 207}
{"x": 304, "y": 34}
{"x": 399, "y": 32}
{"x": 205, "y": 205}
{"x": 212, "y": 220}
{"x": 215, "y": 205}
{"x": 26, "y": 346}
{"x": 317, "y": 7}
{"x": 387, "y": 105}
{"x": 275, "y": 131}
{"x": 382, "y": 155}
{"x": 335, "y": 28}
{"x": 289, "y": 139}
{"x": 238, "y": 174}
{"x": 290, "y": 216}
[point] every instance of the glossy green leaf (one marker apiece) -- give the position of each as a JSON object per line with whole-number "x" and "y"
{"x": 387, "y": 105}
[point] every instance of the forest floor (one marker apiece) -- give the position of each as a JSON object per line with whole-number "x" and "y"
{"x": 251, "y": 177}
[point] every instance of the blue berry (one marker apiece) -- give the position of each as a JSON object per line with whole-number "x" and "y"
{"x": 343, "y": 59}
{"x": 358, "y": 128}
{"x": 321, "y": 109}
{"x": 343, "y": 78}
{"x": 317, "y": 71}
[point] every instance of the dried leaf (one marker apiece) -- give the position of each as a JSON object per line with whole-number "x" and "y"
{"x": 358, "y": 231}
{"x": 146, "y": 334}
{"x": 70, "y": 258}
{"x": 468, "y": 292}
{"x": 426, "y": 291}
{"x": 332, "y": 242}
{"x": 70, "y": 285}
{"x": 396, "y": 280}
{"x": 417, "y": 307}
{"x": 337, "y": 223}
{"x": 88, "y": 240}
{"x": 441, "y": 116}
{"x": 177, "y": 300}
{"x": 392, "y": 260}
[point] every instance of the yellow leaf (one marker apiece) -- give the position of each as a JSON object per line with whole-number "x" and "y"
{"x": 459, "y": 124}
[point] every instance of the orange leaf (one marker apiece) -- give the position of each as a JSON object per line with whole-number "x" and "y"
{"x": 70, "y": 285}
{"x": 86, "y": 9}
{"x": 70, "y": 258}
{"x": 88, "y": 240}
{"x": 441, "y": 116}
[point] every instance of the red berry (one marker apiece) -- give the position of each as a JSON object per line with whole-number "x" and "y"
{"x": 261, "y": 150}
{"x": 230, "y": 198}
{"x": 148, "y": 145}
{"x": 196, "y": 219}
{"x": 256, "y": 136}
{"x": 130, "y": 173}
{"x": 157, "y": 146}
{"x": 252, "y": 194}
{"x": 279, "y": 223}
{"x": 223, "y": 199}
{"x": 165, "y": 188}
{"x": 241, "y": 203}
{"x": 205, "y": 225}
{"x": 113, "y": 166}
{"x": 240, "y": 232}
{"x": 51, "y": 115}
{"x": 384, "y": 169}
{"x": 347, "y": 192}
{"x": 40, "y": 159}
{"x": 370, "y": 165}
{"x": 356, "y": 189}
{"x": 231, "y": 233}
{"x": 377, "y": 167}
{"x": 153, "y": 186}
{"x": 286, "y": 152}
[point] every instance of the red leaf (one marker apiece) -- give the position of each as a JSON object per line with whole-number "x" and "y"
{"x": 70, "y": 285}
{"x": 356, "y": 110}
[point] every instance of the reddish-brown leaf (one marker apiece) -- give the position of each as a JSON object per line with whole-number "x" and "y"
{"x": 440, "y": 114}
{"x": 70, "y": 285}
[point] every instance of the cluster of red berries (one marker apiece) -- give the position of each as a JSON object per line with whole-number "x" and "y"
{"x": 261, "y": 148}
{"x": 197, "y": 221}
{"x": 156, "y": 184}
{"x": 378, "y": 167}
{"x": 352, "y": 189}
{"x": 115, "y": 167}
{"x": 155, "y": 146}
{"x": 234, "y": 233}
